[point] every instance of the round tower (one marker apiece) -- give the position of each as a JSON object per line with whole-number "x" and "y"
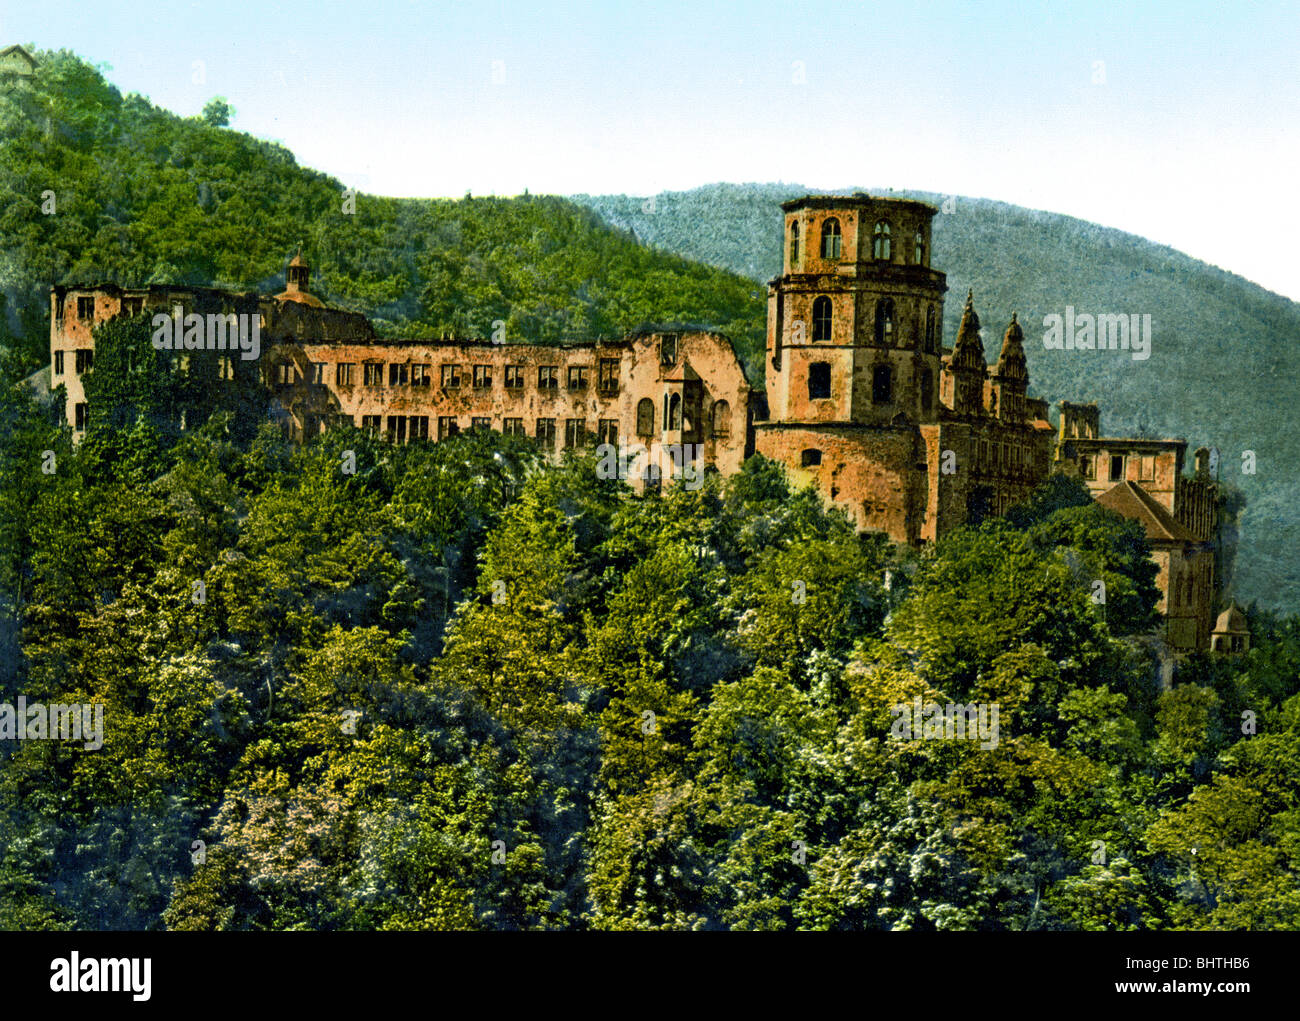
{"x": 855, "y": 319}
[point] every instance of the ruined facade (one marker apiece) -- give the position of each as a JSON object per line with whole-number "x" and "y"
{"x": 863, "y": 399}
{"x": 677, "y": 391}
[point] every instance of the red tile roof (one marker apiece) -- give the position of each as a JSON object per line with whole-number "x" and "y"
{"x": 1132, "y": 501}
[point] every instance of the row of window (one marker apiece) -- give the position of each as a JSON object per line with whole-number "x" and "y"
{"x": 996, "y": 454}
{"x": 404, "y": 427}
{"x": 882, "y": 384}
{"x": 84, "y": 359}
{"x": 86, "y": 307}
{"x": 882, "y": 242}
{"x": 823, "y": 322}
{"x": 1118, "y": 467}
{"x": 453, "y": 377}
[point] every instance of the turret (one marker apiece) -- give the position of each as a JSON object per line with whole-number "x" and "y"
{"x": 966, "y": 365}
{"x": 1011, "y": 376}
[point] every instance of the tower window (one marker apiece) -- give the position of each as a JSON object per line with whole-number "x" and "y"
{"x": 822, "y": 318}
{"x": 819, "y": 381}
{"x": 645, "y": 417}
{"x": 881, "y": 243}
{"x": 1117, "y": 468}
{"x": 929, "y": 330}
{"x": 881, "y": 385}
{"x": 927, "y": 390}
{"x": 794, "y": 243}
{"x": 810, "y": 457}
{"x": 918, "y": 249}
{"x": 884, "y": 320}
{"x": 831, "y": 239}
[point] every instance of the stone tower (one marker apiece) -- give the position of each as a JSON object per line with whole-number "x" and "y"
{"x": 855, "y": 320}
{"x": 854, "y": 354}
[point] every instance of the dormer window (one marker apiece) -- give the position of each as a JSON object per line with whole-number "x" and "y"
{"x": 882, "y": 244}
{"x": 831, "y": 239}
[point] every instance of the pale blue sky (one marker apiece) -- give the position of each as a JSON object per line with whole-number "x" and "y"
{"x": 1195, "y": 109}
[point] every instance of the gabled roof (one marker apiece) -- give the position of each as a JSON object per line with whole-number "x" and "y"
{"x": 19, "y": 51}
{"x": 1132, "y": 501}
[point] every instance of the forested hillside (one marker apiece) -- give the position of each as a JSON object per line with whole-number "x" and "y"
{"x": 1221, "y": 371}
{"x": 456, "y": 688}
{"x": 141, "y": 195}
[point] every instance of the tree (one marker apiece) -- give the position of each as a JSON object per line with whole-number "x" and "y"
{"x": 217, "y": 112}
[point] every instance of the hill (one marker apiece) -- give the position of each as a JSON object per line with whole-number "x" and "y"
{"x": 99, "y": 186}
{"x": 1218, "y": 372}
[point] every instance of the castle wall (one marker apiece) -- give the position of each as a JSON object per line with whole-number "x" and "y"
{"x": 871, "y": 474}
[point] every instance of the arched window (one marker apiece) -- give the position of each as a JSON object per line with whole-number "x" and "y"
{"x": 881, "y": 385}
{"x": 884, "y": 320}
{"x": 810, "y": 457}
{"x": 927, "y": 390}
{"x": 831, "y": 239}
{"x": 819, "y": 381}
{"x": 918, "y": 249}
{"x": 645, "y": 417}
{"x": 822, "y": 318}
{"x": 721, "y": 419}
{"x": 794, "y": 243}
{"x": 673, "y": 418}
{"x": 882, "y": 245}
{"x": 929, "y": 330}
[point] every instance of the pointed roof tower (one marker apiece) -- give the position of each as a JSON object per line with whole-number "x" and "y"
{"x": 968, "y": 351}
{"x": 298, "y": 275}
{"x": 1012, "y": 364}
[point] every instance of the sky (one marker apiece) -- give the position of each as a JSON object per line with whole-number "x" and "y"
{"x": 1174, "y": 121}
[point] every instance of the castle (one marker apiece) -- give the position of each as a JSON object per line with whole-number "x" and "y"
{"x": 863, "y": 399}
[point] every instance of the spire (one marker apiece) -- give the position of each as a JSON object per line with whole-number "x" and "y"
{"x": 968, "y": 351}
{"x": 1011, "y": 361}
